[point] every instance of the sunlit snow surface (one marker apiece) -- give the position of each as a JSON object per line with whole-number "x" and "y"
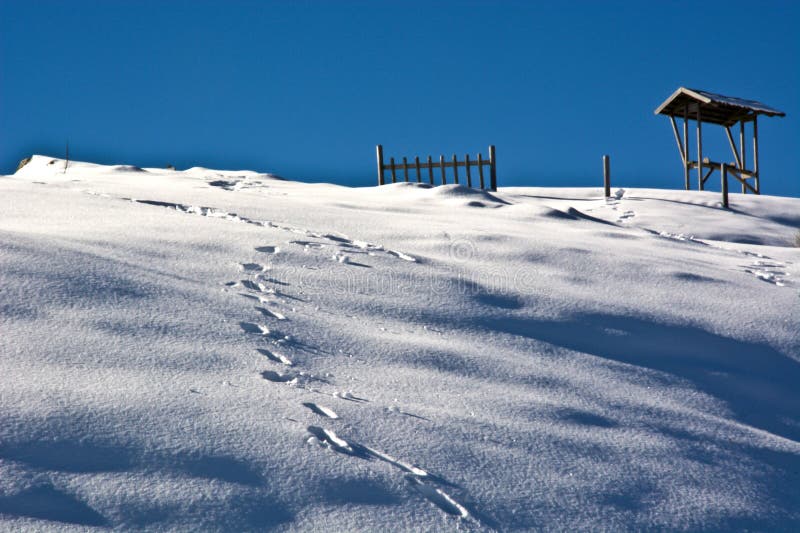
{"x": 230, "y": 351}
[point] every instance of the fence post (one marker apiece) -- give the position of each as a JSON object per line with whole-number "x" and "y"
{"x": 480, "y": 169}
{"x": 444, "y": 173}
{"x": 607, "y": 176}
{"x": 492, "y": 168}
{"x": 455, "y": 169}
{"x": 416, "y": 163}
{"x": 469, "y": 174}
{"x": 724, "y": 171}
{"x": 405, "y": 168}
{"x": 430, "y": 169}
{"x": 379, "y": 150}
{"x": 394, "y": 177}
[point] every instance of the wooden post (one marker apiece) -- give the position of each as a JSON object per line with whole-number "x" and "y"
{"x": 455, "y": 169}
{"x": 391, "y": 164}
{"x": 379, "y": 149}
{"x": 699, "y": 150}
{"x": 724, "y": 171}
{"x": 430, "y": 170}
{"x": 444, "y": 172}
{"x": 66, "y": 159}
{"x": 405, "y": 168}
{"x": 755, "y": 154}
{"x": 492, "y": 168}
{"x": 480, "y": 169}
{"x": 607, "y": 176}
{"x": 416, "y": 162}
{"x": 742, "y": 152}
{"x": 686, "y": 180}
{"x": 469, "y": 174}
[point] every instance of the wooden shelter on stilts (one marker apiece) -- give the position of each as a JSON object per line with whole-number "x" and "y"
{"x": 725, "y": 111}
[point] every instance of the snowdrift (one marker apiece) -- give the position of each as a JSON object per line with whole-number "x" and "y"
{"x": 227, "y": 350}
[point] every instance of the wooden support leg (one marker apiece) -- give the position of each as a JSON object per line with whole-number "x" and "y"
{"x": 755, "y": 155}
{"x": 699, "y": 150}
{"x": 686, "y": 181}
{"x": 724, "y": 172}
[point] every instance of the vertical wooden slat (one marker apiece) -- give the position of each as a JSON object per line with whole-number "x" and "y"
{"x": 687, "y": 182}
{"x": 430, "y": 170}
{"x": 699, "y": 149}
{"x": 455, "y": 169}
{"x": 405, "y": 168}
{"x": 416, "y": 163}
{"x": 469, "y": 174}
{"x": 379, "y": 150}
{"x": 480, "y": 169}
{"x": 607, "y": 176}
{"x": 444, "y": 173}
{"x": 755, "y": 155}
{"x": 492, "y": 168}
{"x": 391, "y": 164}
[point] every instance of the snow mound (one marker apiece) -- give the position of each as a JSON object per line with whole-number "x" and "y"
{"x": 210, "y": 350}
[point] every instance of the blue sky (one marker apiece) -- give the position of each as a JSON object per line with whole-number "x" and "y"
{"x": 306, "y": 89}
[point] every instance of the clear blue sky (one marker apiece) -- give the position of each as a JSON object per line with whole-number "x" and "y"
{"x": 306, "y": 89}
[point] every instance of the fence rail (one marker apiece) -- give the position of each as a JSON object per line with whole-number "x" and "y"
{"x": 442, "y": 165}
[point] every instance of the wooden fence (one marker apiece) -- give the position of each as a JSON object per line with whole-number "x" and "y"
{"x": 430, "y": 165}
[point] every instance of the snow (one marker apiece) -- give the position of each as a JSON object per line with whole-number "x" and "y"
{"x": 228, "y": 350}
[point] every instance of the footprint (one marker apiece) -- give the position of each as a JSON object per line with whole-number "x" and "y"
{"x": 253, "y": 267}
{"x": 256, "y": 329}
{"x": 626, "y": 215}
{"x": 277, "y": 377}
{"x": 336, "y": 238}
{"x": 326, "y": 437}
{"x": 308, "y": 244}
{"x": 251, "y": 285}
{"x": 349, "y": 396}
{"x": 321, "y": 410}
{"x": 278, "y": 358}
{"x": 401, "y": 255}
{"x": 268, "y": 249}
{"x": 770, "y": 277}
{"x": 269, "y": 313}
{"x": 439, "y": 498}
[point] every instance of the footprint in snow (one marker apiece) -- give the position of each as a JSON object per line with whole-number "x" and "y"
{"x": 277, "y": 377}
{"x": 253, "y": 285}
{"x": 349, "y": 396}
{"x": 439, "y": 498}
{"x": 321, "y": 410}
{"x": 253, "y": 267}
{"x": 269, "y": 313}
{"x": 766, "y": 271}
{"x": 274, "y": 356}
{"x": 268, "y": 249}
{"x": 308, "y": 244}
{"x": 626, "y": 215}
{"x": 401, "y": 255}
{"x": 256, "y": 329}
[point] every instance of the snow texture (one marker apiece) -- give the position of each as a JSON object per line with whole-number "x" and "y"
{"x": 227, "y": 350}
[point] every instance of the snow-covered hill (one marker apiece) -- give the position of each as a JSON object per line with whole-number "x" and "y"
{"x": 231, "y": 351}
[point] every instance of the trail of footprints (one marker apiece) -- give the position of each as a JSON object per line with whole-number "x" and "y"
{"x": 344, "y": 244}
{"x": 260, "y": 287}
{"x": 767, "y": 269}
